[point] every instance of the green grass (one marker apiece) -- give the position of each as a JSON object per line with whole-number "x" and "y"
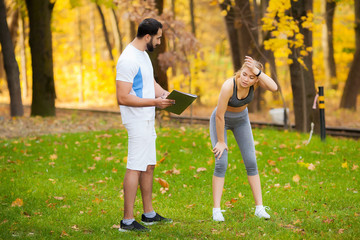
{"x": 71, "y": 187}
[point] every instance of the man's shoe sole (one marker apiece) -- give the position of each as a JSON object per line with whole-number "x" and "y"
{"x": 155, "y": 222}
{"x": 125, "y": 230}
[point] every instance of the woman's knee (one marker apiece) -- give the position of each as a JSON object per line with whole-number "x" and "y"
{"x": 220, "y": 168}
{"x": 251, "y": 168}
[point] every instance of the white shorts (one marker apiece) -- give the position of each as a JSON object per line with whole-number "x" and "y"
{"x": 141, "y": 145}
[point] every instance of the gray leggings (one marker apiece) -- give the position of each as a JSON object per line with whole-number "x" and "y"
{"x": 239, "y": 124}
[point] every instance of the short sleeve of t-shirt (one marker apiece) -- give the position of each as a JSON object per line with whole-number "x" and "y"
{"x": 126, "y": 70}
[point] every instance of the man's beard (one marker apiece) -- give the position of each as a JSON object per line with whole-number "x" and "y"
{"x": 150, "y": 47}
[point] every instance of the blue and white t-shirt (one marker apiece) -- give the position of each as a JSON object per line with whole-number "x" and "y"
{"x": 135, "y": 66}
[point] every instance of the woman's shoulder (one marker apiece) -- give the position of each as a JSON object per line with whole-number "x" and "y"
{"x": 228, "y": 84}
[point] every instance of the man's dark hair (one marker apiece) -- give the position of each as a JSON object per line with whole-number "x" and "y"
{"x": 148, "y": 26}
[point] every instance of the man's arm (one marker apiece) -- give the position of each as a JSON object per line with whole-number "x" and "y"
{"x": 125, "y": 98}
{"x": 159, "y": 91}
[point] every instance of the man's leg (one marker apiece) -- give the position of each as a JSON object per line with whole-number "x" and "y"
{"x": 131, "y": 182}
{"x": 146, "y": 186}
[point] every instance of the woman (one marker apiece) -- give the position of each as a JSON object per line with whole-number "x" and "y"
{"x": 231, "y": 113}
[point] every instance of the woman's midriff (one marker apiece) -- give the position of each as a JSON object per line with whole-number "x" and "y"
{"x": 236, "y": 109}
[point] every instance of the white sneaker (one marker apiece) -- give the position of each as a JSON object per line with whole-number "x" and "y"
{"x": 218, "y": 216}
{"x": 261, "y": 213}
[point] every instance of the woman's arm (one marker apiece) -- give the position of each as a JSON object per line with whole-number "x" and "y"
{"x": 225, "y": 94}
{"x": 265, "y": 81}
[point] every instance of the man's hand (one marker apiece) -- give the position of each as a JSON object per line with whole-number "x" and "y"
{"x": 162, "y": 103}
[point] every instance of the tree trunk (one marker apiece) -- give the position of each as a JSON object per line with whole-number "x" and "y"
{"x": 232, "y": 34}
{"x": 352, "y": 85}
{"x": 40, "y": 40}
{"x": 247, "y": 32}
{"x": 106, "y": 35}
{"x": 10, "y": 65}
{"x": 93, "y": 37}
{"x": 81, "y": 75}
{"x": 192, "y": 17}
{"x": 327, "y": 42}
{"x": 159, "y": 74}
{"x": 14, "y": 25}
{"x": 116, "y": 30}
{"x": 302, "y": 79}
{"x": 132, "y": 29}
{"x": 23, "y": 56}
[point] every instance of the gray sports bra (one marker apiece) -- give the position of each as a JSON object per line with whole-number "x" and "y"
{"x": 235, "y": 102}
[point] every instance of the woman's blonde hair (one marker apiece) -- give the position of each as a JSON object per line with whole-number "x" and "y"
{"x": 257, "y": 64}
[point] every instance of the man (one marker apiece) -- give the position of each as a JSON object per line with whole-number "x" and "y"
{"x": 138, "y": 94}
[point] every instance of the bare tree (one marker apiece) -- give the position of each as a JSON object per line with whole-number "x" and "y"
{"x": 10, "y": 65}
{"x": 159, "y": 73}
{"x": 302, "y": 78}
{"x": 105, "y": 31}
{"x": 352, "y": 85}
{"x": 40, "y": 40}
{"x": 327, "y": 41}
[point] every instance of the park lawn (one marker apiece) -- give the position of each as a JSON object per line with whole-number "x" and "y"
{"x": 70, "y": 186}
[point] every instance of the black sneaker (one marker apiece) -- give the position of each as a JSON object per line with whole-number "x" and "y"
{"x": 154, "y": 220}
{"x": 135, "y": 226}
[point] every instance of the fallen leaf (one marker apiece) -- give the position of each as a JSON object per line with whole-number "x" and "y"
{"x": 282, "y": 146}
{"x": 190, "y": 206}
{"x": 64, "y": 234}
{"x": 297, "y": 221}
{"x": 355, "y": 167}
{"x": 93, "y": 167}
{"x": 17, "y": 203}
{"x": 104, "y": 136}
{"x": 115, "y": 226}
{"x": 97, "y": 200}
{"x": 344, "y": 165}
{"x": 201, "y": 169}
{"x": 276, "y": 170}
{"x": 258, "y": 153}
{"x": 341, "y": 230}
{"x": 114, "y": 170}
{"x": 228, "y": 204}
{"x": 191, "y": 167}
{"x": 287, "y": 186}
{"x": 162, "y": 182}
{"x": 110, "y": 158}
{"x": 296, "y": 178}
{"x": 59, "y": 198}
{"x": 163, "y": 190}
{"x": 161, "y": 160}
{"x": 233, "y": 200}
{"x": 328, "y": 220}
{"x": 75, "y": 227}
{"x": 53, "y": 156}
{"x": 210, "y": 162}
{"x": 241, "y": 196}
{"x": 311, "y": 167}
{"x": 271, "y": 162}
{"x": 172, "y": 171}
